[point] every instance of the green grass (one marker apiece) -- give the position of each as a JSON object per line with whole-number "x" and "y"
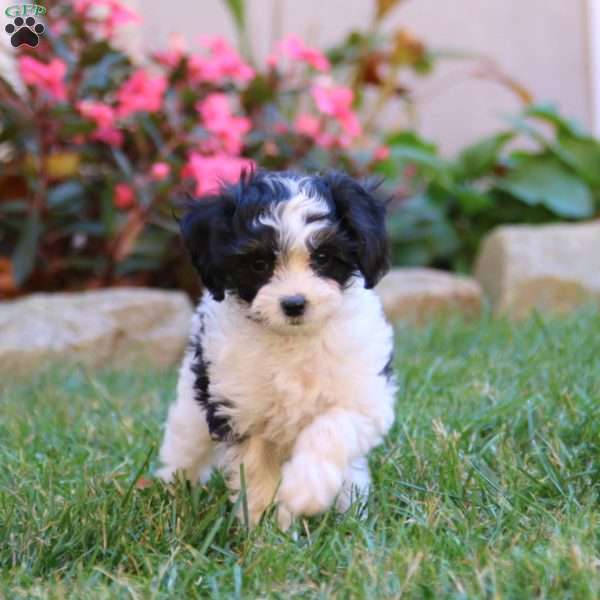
{"x": 487, "y": 487}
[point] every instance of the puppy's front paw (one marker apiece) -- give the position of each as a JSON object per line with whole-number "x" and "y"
{"x": 167, "y": 474}
{"x": 284, "y": 517}
{"x": 308, "y": 485}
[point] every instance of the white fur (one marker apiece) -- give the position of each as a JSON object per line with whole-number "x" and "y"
{"x": 308, "y": 402}
{"x": 289, "y": 218}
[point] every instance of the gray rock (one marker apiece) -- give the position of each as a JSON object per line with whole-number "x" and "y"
{"x": 418, "y": 295}
{"x": 552, "y": 268}
{"x": 117, "y": 327}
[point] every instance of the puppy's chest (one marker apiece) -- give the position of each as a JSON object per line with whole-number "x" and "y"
{"x": 276, "y": 392}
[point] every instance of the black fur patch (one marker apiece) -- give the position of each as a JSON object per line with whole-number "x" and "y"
{"x": 250, "y": 262}
{"x": 333, "y": 255}
{"x": 388, "y": 369}
{"x": 218, "y": 425}
{"x": 360, "y": 213}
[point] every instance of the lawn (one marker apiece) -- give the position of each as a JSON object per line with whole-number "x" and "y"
{"x": 487, "y": 487}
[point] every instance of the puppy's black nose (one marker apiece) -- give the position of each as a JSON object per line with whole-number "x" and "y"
{"x": 293, "y": 306}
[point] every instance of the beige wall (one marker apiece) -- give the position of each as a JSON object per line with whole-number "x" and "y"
{"x": 542, "y": 43}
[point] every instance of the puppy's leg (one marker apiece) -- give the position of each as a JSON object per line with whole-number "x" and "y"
{"x": 356, "y": 485}
{"x": 187, "y": 445}
{"x": 261, "y": 475}
{"x": 322, "y": 456}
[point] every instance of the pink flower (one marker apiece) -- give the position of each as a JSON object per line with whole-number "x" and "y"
{"x": 222, "y": 62}
{"x": 119, "y": 15}
{"x": 381, "y": 153}
{"x": 294, "y": 48}
{"x": 104, "y": 117}
{"x": 336, "y": 102}
{"x": 160, "y": 171}
{"x": 141, "y": 93}
{"x": 99, "y": 112}
{"x": 58, "y": 26}
{"x": 109, "y": 13}
{"x": 210, "y": 171}
{"x": 350, "y": 124}
{"x": 307, "y": 125}
{"x": 124, "y": 196}
{"x": 176, "y": 49}
{"x": 109, "y": 135}
{"x": 218, "y": 119}
{"x": 327, "y": 140}
{"x": 49, "y": 78}
{"x": 82, "y": 6}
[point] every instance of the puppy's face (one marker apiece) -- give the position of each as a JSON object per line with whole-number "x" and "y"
{"x": 287, "y": 247}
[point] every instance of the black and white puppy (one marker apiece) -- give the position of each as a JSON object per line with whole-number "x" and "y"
{"x": 288, "y": 370}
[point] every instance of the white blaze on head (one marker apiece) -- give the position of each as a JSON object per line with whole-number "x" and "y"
{"x": 291, "y": 219}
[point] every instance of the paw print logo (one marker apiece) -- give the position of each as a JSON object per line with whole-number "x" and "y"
{"x": 24, "y": 32}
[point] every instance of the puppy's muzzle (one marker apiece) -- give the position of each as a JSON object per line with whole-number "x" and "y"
{"x": 293, "y": 306}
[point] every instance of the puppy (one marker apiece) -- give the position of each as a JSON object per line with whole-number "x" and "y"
{"x": 288, "y": 370}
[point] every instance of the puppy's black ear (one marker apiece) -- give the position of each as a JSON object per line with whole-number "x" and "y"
{"x": 362, "y": 214}
{"x": 204, "y": 227}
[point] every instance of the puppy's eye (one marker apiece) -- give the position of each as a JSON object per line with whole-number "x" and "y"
{"x": 259, "y": 265}
{"x": 322, "y": 258}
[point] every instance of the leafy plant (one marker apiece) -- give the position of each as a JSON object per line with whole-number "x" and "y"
{"x": 541, "y": 168}
{"x": 94, "y": 148}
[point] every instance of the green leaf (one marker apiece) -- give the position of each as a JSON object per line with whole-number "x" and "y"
{"x": 549, "y": 114}
{"x": 152, "y": 244}
{"x": 94, "y": 228}
{"x": 259, "y": 92}
{"x": 429, "y": 165}
{"x": 407, "y": 148}
{"x": 582, "y": 155}
{"x": 123, "y": 163}
{"x": 136, "y": 264}
{"x": 61, "y": 49}
{"x": 388, "y": 168}
{"x": 100, "y": 75}
{"x": 153, "y": 131}
{"x": 473, "y": 201}
{"x": 238, "y": 12}
{"x": 88, "y": 264}
{"x": 350, "y": 49}
{"x": 411, "y": 139}
{"x": 23, "y": 257}
{"x": 108, "y": 212}
{"x": 425, "y": 64}
{"x": 544, "y": 180}
{"x": 65, "y": 193}
{"x": 73, "y": 126}
{"x": 478, "y": 159}
{"x": 523, "y": 127}
{"x": 420, "y": 232}
{"x": 94, "y": 52}
{"x": 13, "y": 206}
{"x": 417, "y": 156}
